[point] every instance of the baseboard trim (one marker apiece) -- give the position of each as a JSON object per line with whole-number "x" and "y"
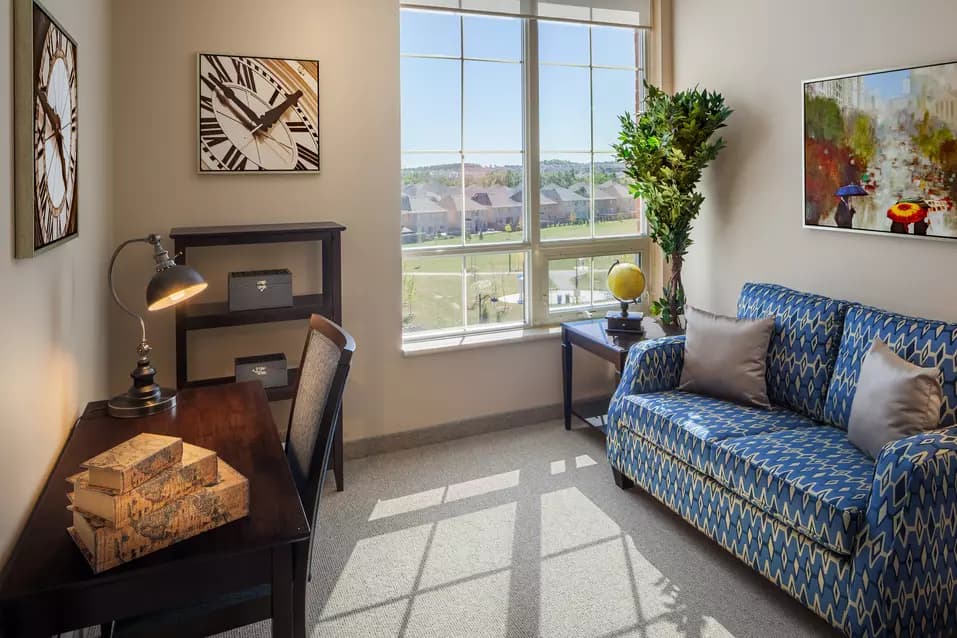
{"x": 360, "y": 448}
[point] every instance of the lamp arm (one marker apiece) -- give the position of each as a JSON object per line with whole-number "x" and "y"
{"x": 116, "y": 297}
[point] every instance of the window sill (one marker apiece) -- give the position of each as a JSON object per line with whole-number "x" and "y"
{"x": 473, "y": 341}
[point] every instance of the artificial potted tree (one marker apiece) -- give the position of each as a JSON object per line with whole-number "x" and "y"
{"x": 664, "y": 151}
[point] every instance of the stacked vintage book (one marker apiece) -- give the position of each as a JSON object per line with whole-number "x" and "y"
{"x": 148, "y": 493}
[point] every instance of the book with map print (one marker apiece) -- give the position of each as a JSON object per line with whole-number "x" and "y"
{"x": 105, "y": 546}
{"x": 197, "y": 469}
{"x": 132, "y": 463}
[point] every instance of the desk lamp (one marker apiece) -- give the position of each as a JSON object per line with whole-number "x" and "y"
{"x": 170, "y": 285}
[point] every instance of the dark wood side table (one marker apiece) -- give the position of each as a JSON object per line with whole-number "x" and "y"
{"x": 590, "y": 335}
{"x": 47, "y": 587}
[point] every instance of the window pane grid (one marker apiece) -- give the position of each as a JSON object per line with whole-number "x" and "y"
{"x": 489, "y": 203}
{"x": 579, "y": 283}
{"x": 456, "y": 293}
{"x": 608, "y": 204}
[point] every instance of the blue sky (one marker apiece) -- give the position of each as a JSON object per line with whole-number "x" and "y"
{"x": 886, "y": 85}
{"x": 432, "y": 106}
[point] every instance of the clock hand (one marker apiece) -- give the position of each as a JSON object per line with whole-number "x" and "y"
{"x": 50, "y": 113}
{"x": 272, "y": 116}
{"x": 57, "y": 128}
{"x": 231, "y": 96}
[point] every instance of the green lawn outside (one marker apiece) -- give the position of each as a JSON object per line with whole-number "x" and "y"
{"x": 432, "y": 291}
{"x": 432, "y": 286}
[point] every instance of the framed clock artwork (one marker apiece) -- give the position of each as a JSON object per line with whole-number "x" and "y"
{"x": 46, "y": 131}
{"x": 258, "y": 115}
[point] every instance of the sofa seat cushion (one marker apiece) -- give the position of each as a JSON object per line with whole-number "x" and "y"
{"x": 812, "y": 479}
{"x": 804, "y": 344}
{"x": 923, "y": 342}
{"x": 688, "y": 425}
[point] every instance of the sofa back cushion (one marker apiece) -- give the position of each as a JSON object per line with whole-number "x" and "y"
{"x": 923, "y": 342}
{"x": 804, "y": 344}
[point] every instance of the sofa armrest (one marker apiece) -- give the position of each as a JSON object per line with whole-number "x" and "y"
{"x": 652, "y": 366}
{"x": 905, "y": 570}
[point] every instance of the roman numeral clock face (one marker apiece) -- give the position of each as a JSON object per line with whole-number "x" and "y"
{"x": 258, "y": 114}
{"x": 55, "y": 139}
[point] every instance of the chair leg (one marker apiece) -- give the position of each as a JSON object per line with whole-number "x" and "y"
{"x": 621, "y": 480}
{"x": 337, "y": 456}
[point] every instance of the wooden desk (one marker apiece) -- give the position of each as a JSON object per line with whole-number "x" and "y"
{"x": 47, "y": 587}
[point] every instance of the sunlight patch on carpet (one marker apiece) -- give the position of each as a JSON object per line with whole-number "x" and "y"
{"x": 469, "y": 545}
{"x": 484, "y": 485}
{"x": 406, "y": 504}
{"x": 439, "y": 495}
{"x": 379, "y": 622}
{"x": 477, "y": 607}
{"x": 570, "y": 519}
{"x": 379, "y": 569}
{"x": 587, "y": 592}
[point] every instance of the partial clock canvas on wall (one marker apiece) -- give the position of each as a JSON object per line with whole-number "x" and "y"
{"x": 258, "y": 115}
{"x": 46, "y": 109}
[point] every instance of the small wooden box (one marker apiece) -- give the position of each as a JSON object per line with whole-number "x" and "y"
{"x": 628, "y": 324}
{"x": 270, "y": 369}
{"x": 255, "y": 289}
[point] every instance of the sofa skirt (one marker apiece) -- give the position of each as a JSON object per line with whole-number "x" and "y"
{"x": 817, "y": 577}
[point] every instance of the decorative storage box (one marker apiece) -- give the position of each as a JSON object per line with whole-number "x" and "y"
{"x": 253, "y": 289}
{"x": 269, "y": 368}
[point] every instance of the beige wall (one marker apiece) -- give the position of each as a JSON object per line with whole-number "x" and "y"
{"x": 53, "y": 346}
{"x": 757, "y": 53}
{"x": 356, "y": 43}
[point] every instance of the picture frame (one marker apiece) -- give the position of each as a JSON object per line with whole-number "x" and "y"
{"x": 46, "y": 131}
{"x": 879, "y": 152}
{"x": 257, "y": 115}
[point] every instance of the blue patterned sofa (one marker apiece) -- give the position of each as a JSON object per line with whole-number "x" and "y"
{"x": 869, "y": 546}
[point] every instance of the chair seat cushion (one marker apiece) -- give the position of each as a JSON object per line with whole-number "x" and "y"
{"x": 812, "y": 479}
{"x": 688, "y": 425}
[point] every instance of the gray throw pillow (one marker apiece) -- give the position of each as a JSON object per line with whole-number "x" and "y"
{"x": 894, "y": 399}
{"x": 726, "y": 357}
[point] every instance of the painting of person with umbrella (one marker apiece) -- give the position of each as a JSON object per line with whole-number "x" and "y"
{"x": 844, "y": 217}
{"x": 907, "y": 212}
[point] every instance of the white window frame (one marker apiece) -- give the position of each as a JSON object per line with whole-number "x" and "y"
{"x": 537, "y": 252}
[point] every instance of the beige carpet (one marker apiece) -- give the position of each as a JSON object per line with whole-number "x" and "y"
{"x": 523, "y": 533}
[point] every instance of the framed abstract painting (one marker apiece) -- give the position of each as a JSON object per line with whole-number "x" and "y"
{"x": 46, "y": 148}
{"x": 257, "y": 115}
{"x": 880, "y": 152}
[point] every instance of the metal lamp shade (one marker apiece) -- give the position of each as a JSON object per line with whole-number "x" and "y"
{"x": 170, "y": 286}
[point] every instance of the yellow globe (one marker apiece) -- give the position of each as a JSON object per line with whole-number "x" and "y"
{"x": 626, "y": 281}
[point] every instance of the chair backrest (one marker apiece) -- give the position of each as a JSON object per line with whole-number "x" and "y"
{"x": 316, "y": 408}
{"x": 804, "y": 345}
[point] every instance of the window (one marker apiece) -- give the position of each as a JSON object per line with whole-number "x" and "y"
{"x": 511, "y": 197}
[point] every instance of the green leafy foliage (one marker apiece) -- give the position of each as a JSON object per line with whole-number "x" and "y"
{"x": 824, "y": 120}
{"x": 862, "y": 138}
{"x": 664, "y": 151}
{"x": 932, "y": 138}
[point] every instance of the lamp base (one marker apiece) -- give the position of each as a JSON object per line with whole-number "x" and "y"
{"x": 127, "y": 406}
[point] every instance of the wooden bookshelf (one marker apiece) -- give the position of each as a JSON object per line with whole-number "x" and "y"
{"x": 204, "y": 316}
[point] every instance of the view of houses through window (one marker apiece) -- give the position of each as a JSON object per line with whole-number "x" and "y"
{"x": 468, "y": 243}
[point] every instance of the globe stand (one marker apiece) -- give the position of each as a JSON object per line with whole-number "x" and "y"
{"x": 624, "y": 321}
